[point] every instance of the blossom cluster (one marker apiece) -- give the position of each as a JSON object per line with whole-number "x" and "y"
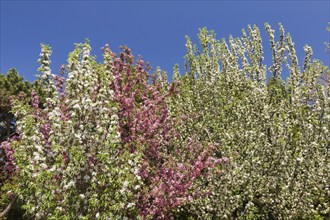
{"x": 9, "y": 167}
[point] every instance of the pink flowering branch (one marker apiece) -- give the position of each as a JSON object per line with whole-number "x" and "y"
{"x": 8, "y": 159}
{"x": 144, "y": 121}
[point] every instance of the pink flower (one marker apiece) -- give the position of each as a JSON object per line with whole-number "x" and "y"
{"x": 34, "y": 99}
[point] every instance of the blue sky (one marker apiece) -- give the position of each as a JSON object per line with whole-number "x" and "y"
{"x": 155, "y": 30}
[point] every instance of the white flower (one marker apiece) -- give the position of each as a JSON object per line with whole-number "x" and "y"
{"x": 71, "y": 183}
{"x": 129, "y": 205}
{"x": 52, "y": 169}
{"x": 38, "y": 216}
{"x": 34, "y": 175}
{"x": 39, "y": 148}
{"x": 36, "y": 156}
{"x": 87, "y": 100}
{"x": 78, "y": 136}
{"x": 43, "y": 165}
{"x": 114, "y": 117}
{"x": 76, "y": 106}
{"x": 300, "y": 159}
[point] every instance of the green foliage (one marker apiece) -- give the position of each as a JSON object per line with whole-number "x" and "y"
{"x": 11, "y": 85}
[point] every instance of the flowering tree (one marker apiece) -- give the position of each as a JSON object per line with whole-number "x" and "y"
{"x": 103, "y": 145}
{"x": 276, "y": 133}
{"x": 172, "y": 167}
{"x": 68, "y": 155}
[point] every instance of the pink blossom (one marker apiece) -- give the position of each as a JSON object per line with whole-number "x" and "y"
{"x": 34, "y": 99}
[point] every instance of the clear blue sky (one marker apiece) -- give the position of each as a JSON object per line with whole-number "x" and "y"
{"x": 153, "y": 29}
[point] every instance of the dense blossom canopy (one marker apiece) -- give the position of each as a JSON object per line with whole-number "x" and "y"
{"x": 229, "y": 139}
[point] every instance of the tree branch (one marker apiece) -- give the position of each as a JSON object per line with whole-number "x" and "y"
{"x": 9, "y": 206}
